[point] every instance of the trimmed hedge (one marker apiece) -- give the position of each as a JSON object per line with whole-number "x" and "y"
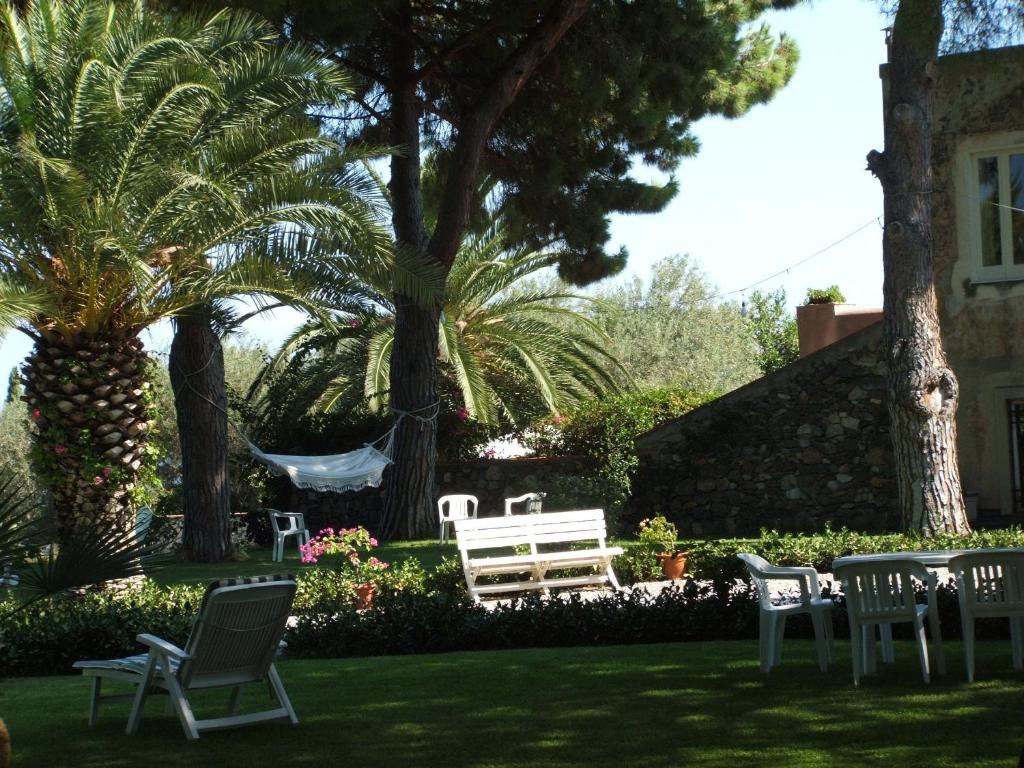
{"x": 418, "y": 612}
{"x": 716, "y": 558}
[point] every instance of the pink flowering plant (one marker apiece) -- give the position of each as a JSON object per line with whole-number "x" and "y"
{"x": 347, "y": 549}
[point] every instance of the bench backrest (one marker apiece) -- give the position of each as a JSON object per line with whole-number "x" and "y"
{"x": 532, "y": 530}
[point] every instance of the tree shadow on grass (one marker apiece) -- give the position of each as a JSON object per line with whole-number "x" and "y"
{"x": 693, "y": 704}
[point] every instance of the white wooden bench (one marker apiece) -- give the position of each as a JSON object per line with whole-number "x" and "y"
{"x": 548, "y": 536}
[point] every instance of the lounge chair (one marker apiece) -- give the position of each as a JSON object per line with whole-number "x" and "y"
{"x": 234, "y": 641}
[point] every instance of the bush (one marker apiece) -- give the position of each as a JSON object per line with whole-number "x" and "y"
{"x": 716, "y": 558}
{"x": 640, "y": 561}
{"x": 604, "y": 429}
{"x": 830, "y": 295}
{"x": 48, "y": 637}
{"x": 419, "y": 612}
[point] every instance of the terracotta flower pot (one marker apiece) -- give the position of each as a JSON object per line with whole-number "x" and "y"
{"x": 364, "y": 596}
{"x": 673, "y": 565}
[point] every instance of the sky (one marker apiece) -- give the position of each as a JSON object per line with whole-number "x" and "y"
{"x": 766, "y": 190}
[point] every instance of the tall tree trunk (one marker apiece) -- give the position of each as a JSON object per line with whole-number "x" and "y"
{"x": 922, "y": 388}
{"x": 409, "y": 493}
{"x": 200, "y": 397}
{"x": 409, "y": 490}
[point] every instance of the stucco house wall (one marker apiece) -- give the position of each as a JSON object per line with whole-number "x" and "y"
{"x": 979, "y": 105}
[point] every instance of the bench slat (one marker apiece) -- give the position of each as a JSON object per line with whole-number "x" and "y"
{"x": 545, "y": 529}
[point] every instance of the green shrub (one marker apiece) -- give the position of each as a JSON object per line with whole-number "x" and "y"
{"x": 604, "y": 429}
{"x": 429, "y": 612}
{"x": 716, "y": 558}
{"x": 640, "y": 561}
{"x": 447, "y": 578}
{"x": 830, "y": 295}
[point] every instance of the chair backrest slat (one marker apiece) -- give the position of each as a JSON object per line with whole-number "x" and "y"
{"x": 456, "y": 506}
{"x": 236, "y": 634}
{"x": 531, "y": 530}
{"x": 990, "y": 582}
{"x": 882, "y": 590}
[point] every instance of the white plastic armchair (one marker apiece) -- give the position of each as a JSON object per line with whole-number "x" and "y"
{"x": 882, "y": 593}
{"x": 285, "y": 524}
{"x": 991, "y": 585}
{"x": 533, "y": 503}
{"x": 453, "y": 507}
{"x": 773, "y": 612}
{"x": 234, "y": 642}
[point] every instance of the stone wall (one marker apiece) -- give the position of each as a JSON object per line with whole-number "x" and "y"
{"x": 491, "y": 481}
{"x": 804, "y": 446}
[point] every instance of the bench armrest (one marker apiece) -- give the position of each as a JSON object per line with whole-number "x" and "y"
{"x": 159, "y": 644}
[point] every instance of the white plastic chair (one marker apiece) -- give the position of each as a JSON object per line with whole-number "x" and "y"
{"x": 773, "y": 614}
{"x": 454, "y": 507}
{"x": 882, "y": 593}
{"x": 234, "y": 641}
{"x": 991, "y": 585}
{"x": 533, "y": 503}
{"x": 143, "y": 519}
{"x": 286, "y": 524}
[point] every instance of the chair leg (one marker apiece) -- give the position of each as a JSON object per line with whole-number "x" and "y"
{"x": 1015, "y": 642}
{"x": 182, "y": 707}
{"x": 780, "y": 631}
{"x": 140, "y": 695}
{"x": 922, "y": 649}
{"x": 857, "y": 649}
{"x": 765, "y": 643}
{"x": 830, "y": 629}
{"x": 888, "y": 652}
{"x": 440, "y": 533}
{"x": 235, "y": 700}
{"x": 967, "y": 622}
{"x": 94, "y": 700}
{"x": 870, "y": 658}
{"x": 818, "y": 618}
{"x": 281, "y": 694}
{"x": 936, "y": 632}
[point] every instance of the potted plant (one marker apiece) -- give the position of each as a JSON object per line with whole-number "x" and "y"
{"x": 658, "y": 537}
{"x": 347, "y": 549}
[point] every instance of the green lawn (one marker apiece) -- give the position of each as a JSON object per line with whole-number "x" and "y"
{"x": 257, "y": 562}
{"x": 690, "y": 704}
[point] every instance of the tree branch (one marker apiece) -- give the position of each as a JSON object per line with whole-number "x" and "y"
{"x": 478, "y": 124}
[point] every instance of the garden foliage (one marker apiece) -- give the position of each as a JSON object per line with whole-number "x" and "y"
{"x": 604, "y": 429}
{"x": 429, "y": 612}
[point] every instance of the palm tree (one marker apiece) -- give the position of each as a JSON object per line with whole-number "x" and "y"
{"x": 150, "y": 165}
{"x": 510, "y": 346}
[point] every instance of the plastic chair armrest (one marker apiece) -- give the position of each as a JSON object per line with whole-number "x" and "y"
{"x": 162, "y": 645}
{"x": 806, "y": 576}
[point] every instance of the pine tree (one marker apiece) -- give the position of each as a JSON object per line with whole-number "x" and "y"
{"x": 542, "y": 104}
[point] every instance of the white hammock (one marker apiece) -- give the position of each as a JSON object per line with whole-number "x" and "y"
{"x": 340, "y": 472}
{"x": 352, "y": 471}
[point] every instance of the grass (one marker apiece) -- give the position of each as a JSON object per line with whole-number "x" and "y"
{"x": 258, "y": 562}
{"x": 690, "y": 704}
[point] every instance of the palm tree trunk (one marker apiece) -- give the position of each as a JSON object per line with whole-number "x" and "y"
{"x": 89, "y": 401}
{"x": 923, "y": 389}
{"x": 200, "y": 398}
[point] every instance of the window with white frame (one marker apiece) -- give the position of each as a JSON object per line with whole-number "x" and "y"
{"x": 997, "y": 207}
